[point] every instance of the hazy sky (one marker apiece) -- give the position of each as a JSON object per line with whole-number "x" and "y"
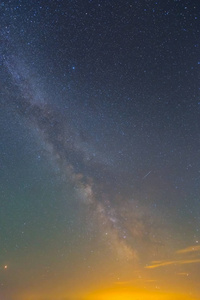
{"x": 99, "y": 150}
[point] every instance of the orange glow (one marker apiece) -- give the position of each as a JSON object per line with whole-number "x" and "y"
{"x": 130, "y": 293}
{"x": 112, "y": 293}
{"x": 5, "y": 267}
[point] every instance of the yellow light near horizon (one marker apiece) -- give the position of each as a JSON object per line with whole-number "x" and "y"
{"x": 114, "y": 295}
{"x": 122, "y": 292}
{"x": 137, "y": 295}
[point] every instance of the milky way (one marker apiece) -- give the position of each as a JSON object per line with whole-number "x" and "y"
{"x": 65, "y": 148}
{"x": 99, "y": 142}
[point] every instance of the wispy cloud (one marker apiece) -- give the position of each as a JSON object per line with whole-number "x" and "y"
{"x": 189, "y": 249}
{"x": 173, "y": 262}
{"x": 179, "y": 261}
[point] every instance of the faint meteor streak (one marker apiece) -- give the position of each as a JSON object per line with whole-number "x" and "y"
{"x": 146, "y": 175}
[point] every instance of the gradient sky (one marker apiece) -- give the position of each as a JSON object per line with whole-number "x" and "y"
{"x": 100, "y": 150}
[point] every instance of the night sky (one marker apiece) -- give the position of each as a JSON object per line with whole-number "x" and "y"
{"x": 99, "y": 150}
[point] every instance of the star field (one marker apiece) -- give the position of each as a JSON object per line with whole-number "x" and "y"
{"x": 100, "y": 146}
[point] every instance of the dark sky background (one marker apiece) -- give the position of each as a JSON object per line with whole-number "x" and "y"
{"x": 100, "y": 147}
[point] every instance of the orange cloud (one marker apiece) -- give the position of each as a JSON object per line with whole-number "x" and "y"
{"x": 173, "y": 262}
{"x": 189, "y": 249}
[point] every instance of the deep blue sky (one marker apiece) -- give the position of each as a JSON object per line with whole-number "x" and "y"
{"x": 100, "y": 144}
